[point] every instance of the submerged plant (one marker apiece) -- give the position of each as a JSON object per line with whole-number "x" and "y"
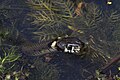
{"x": 7, "y": 61}
{"x": 9, "y": 68}
{"x": 53, "y": 21}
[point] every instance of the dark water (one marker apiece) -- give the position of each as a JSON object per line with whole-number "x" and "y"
{"x": 69, "y": 66}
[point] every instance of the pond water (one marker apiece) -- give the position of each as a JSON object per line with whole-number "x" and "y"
{"x": 98, "y": 28}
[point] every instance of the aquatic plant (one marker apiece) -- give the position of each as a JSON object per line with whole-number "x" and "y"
{"x": 115, "y": 19}
{"x": 63, "y": 18}
{"x": 53, "y": 21}
{"x": 92, "y": 16}
{"x": 12, "y": 64}
{"x": 111, "y": 25}
{"x": 52, "y": 18}
{"x": 10, "y": 60}
{"x": 8, "y": 57}
{"x": 48, "y": 13}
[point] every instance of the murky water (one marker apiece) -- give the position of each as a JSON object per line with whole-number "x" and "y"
{"x": 103, "y": 39}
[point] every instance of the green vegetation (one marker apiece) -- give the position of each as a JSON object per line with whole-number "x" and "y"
{"x": 7, "y": 63}
{"x": 102, "y": 25}
{"x": 49, "y": 19}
